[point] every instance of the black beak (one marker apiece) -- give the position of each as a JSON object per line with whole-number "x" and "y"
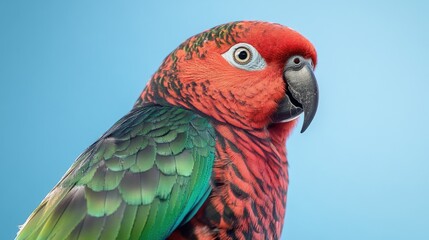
{"x": 302, "y": 94}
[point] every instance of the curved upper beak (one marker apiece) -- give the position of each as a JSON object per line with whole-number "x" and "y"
{"x": 302, "y": 94}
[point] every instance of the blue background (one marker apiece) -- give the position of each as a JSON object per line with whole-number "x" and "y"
{"x": 68, "y": 71}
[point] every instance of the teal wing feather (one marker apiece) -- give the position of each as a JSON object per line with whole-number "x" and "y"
{"x": 140, "y": 180}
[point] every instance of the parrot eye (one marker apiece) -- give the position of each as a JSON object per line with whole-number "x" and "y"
{"x": 244, "y": 56}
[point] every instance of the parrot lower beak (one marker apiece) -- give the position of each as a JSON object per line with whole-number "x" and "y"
{"x": 302, "y": 94}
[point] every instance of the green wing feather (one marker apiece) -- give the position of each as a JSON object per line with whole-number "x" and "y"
{"x": 142, "y": 179}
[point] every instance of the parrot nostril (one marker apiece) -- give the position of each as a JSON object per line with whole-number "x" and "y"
{"x": 296, "y": 60}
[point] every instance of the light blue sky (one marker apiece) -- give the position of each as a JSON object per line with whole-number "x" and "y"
{"x": 68, "y": 71}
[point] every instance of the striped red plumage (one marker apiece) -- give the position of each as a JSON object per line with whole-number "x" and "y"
{"x": 250, "y": 177}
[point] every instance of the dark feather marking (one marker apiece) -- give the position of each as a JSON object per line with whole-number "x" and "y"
{"x": 235, "y": 149}
{"x": 222, "y": 143}
{"x": 236, "y": 171}
{"x": 223, "y": 96}
{"x": 240, "y": 194}
{"x": 218, "y": 183}
{"x": 204, "y": 87}
{"x": 262, "y": 211}
{"x": 261, "y": 183}
{"x": 228, "y": 215}
{"x": 221, "y": 116}
{"x": 255, "y": 213}
{"x": 254, "y": 142}
{"x": 273, "y": 228}
{"x": 248, "y": 235}
{"x": 274, "y": 213}
{"x": 231, "y": 233}
{"x": 212, "y": 214}
{"x": 188, "y": 231}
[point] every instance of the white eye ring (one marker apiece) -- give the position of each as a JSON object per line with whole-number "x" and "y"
{"x": 244, "y": 56}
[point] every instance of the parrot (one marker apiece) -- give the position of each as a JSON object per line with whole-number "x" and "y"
{"x": 202, "y": 152}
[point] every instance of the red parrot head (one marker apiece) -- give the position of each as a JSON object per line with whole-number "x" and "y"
{"x": 249, "y": 74}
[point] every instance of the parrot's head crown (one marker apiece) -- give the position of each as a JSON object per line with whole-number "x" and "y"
{"x": 250, "y": 74}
